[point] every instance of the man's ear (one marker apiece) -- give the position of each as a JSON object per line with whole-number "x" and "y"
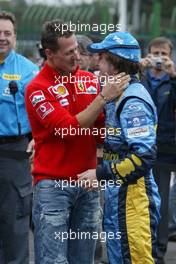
{"x": 48, "y": 53}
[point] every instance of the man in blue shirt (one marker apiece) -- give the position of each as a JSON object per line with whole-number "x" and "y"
{"x": 160, "y": 81}
{"x": 15, "y": 180}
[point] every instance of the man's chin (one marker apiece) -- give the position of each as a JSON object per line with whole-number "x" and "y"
{"x": 74, "y": 68}
{"x": 4, "y": 52}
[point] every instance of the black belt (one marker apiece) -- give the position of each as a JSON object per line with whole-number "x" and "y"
{"x": 11, "y": 139}
{"x": 14, "y": 154}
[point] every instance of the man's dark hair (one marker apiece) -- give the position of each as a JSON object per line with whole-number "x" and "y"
{"x": 52, "y": 30}
{"x": 8, "y": 16}
{"x": 123, "y": 65}
{"x": 160, "y": 41}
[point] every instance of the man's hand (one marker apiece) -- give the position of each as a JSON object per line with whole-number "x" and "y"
{"x": 169, "y": 66}
{"x": 115, "y": 85}
{"x": 88, "y": 179}
{"x": 30, "y": 148}
{"x": 146, "y": 62}
{"x": 110, "y": 91}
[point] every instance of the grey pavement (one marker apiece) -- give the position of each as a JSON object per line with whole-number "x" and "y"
{"x": 170, "y": 256}
{"x": 171, "y": 253}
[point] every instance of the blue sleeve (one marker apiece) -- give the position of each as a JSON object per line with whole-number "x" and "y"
{"x": 32, "y": 71}
{"x": 138, "y": 128}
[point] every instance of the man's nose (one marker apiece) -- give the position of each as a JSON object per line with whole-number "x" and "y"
{"x": 159, "y": 54}
{"x": 2, "y": 36}
{"x": 77, "y": 55}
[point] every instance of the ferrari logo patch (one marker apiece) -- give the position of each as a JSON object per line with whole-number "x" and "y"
{"x": 80, "y": 88}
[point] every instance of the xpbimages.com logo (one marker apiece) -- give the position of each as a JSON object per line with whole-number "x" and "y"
{"x": 101, "y": 185}
{"x": 81, "y": 131}
{"x": 103, "y": 79}
{"x": 82, "y": 235}
{"x": 82, "y": 27}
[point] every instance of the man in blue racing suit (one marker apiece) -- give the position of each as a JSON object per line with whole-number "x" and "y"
{"x": 131, "y": 211}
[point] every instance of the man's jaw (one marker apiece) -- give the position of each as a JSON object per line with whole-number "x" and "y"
{"x": 4, "y": 53}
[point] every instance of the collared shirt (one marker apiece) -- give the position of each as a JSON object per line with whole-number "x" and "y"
{"x": 155, "y": 81}
{"x": 63, "y": 149}
{"x": 12, "y": 108}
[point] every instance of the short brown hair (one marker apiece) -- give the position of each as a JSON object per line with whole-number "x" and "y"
{"x": 160, "y": 41}
{"x": 123, "y": 65}
{"x": 52, "y": 30}
{"x": 8, "y": 16}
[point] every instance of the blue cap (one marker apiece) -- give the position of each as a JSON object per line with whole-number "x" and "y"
{"x": 122, "y": 44}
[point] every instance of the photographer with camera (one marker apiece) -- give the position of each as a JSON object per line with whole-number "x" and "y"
{"x": 159, "y": 78}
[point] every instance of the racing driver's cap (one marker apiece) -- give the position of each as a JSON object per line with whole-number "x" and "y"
{"x": 122, "y": 44}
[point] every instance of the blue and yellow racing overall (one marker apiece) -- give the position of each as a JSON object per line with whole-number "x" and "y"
{"x": 131, "y": 212}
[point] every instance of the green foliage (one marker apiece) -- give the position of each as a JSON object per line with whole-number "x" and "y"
{"x": 31, "y": 17}
{"x": 16, "y": 7}
{"x": 167, "y": 7}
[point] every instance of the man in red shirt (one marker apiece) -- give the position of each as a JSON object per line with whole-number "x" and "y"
{"x": 64, "y": 108}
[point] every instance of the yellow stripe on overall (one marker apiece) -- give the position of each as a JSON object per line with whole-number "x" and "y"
{"x": 138, "y": 224}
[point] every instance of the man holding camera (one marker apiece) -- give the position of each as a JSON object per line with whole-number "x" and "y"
{"x": 160, "y": 81}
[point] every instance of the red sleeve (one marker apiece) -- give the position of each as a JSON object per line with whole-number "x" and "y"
{"x": 46, "y": 110}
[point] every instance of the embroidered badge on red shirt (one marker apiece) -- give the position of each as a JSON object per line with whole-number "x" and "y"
{"x": 58, "y": 91}
{"x": 44, "y": 109}
{"x": 37, "y": 97}
{"x": 80, "y": 87}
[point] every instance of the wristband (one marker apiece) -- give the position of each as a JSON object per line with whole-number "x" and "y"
{"x": 104, "y": 97}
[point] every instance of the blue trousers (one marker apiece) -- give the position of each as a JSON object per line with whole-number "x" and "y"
{"x": 65, "y": 220}
{"x": 15, "y": 206}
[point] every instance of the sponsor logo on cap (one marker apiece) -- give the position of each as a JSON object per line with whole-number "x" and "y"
{"x": 118, "y": 40}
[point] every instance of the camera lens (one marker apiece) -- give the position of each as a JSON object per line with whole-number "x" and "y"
{"x": 158, "y": 65}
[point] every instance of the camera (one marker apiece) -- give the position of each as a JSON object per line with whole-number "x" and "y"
{"x": 156, "y": 62}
